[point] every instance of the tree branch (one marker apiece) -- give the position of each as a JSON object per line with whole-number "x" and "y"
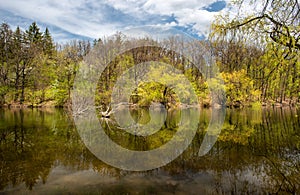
{"x": 276, "y": 30}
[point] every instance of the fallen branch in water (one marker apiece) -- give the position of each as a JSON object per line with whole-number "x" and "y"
{"x": 107, "y": 113}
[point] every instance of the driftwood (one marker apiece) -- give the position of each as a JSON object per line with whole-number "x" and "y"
{"x": 107, "y": 113}
{"x": 110, "y": 110}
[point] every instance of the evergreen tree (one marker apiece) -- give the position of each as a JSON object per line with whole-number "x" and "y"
{"x": 48, "y": 46}
{"x": 33, "y": 34}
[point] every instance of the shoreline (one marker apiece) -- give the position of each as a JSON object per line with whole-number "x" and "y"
{"x": 183, "y": 106}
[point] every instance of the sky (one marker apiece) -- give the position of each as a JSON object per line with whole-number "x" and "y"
{"x": 93, "y": 19}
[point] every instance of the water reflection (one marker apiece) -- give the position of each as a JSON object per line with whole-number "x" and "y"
{"x": 130, "y": 130}
{"x": 258, "y": 151}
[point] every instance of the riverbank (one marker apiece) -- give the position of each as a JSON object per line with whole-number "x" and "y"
{"x": 53, "y": 104}
{"x": 47, "y": 104}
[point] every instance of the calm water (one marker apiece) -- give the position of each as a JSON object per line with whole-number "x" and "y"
{"x": 257, "y": 152}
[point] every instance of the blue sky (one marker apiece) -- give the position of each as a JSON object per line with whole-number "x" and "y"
{"x": 90, "y": 19}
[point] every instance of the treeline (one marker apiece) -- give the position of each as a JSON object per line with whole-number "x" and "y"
{"x": 262, "y": 47}
{"x": 35, "y": 71}
{"x": 262, "y": 72}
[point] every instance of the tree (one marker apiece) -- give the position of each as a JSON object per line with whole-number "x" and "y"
{"x": 48, "y": 46}
{"x": 5, "y": 56}
{"x": 33, "y": 34}
{"x": 67, "y": 62}
{"x": 278, "y": 19}
{"x": 264, "y": 43}
{"x": 18, "y": 44}
{"x": 32, "y": 47}
{"x": 239, "y": 88}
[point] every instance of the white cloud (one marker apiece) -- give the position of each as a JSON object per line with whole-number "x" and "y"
{"x": 200, "y": 18}
{"x": 72, "y": 16}
{"x": 94, "y": 18}
{"x": 185, "y": 12}
{"x": 174, "y": 6}
{"x": 127, "y": 6}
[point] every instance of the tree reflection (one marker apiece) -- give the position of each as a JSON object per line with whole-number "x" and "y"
{"x": 267, "y": 162}
{"x": 32, "y": 142}
{"x": 258, "y": 153}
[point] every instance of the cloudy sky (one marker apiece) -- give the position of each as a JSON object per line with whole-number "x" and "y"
{"x": 90, "y": 19}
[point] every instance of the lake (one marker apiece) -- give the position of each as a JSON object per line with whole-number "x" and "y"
{"x": 257, "y": 152}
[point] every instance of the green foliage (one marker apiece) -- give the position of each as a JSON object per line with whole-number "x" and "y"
{"x": 239, "y": 88}
{"x": 58, "y": 92}
{"x": 34, "y": 70}
{"x": 216, "y": 90}
{"x": 148, "y": 92}
{"x": 255, "y": 69}
{"x": 3, "y": 90}
{"x": 266, "y": 45}
{"x": 230, "y": 133}
{"x": 176, "y": 82}
{"x": 240, "y": 125}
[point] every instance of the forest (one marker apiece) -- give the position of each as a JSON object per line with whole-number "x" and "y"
{"x": 257, "y": 56}
{"x": 249, "y": 91}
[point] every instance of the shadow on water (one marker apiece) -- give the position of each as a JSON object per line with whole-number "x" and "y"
{"x": 258, "y": 151}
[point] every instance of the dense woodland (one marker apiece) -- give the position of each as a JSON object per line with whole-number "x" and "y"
{"x": 258, "y": 57}
{"x": 34, "y": 70}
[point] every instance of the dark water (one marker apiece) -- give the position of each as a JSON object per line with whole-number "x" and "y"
{"x": 258, "y": 152}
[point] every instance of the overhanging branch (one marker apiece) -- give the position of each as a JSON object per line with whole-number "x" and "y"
{"x": 276, "y": 34}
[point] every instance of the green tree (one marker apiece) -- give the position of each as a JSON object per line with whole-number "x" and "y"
{"x": 48, "y": 46}
{"x": 33, "y": 34}
{"x": 277, "y": 19}
{"x": 31, "y": 48}
{"x": 5, "y": 58}
{"x": 18, "y": 60}
{"x": 239, "y": 88}
{"x": 67, "y": 62}
{"x": 265, "y": 43}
